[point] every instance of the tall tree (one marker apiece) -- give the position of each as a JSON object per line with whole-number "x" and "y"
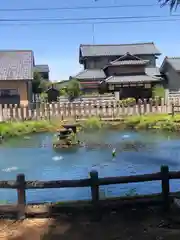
{"x": 36, "y": 83}
{"x": 172, "y": 3}
{"x": 73, "y": 89}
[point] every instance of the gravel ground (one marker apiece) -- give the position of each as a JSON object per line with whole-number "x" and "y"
{"x": 127, "y": 224}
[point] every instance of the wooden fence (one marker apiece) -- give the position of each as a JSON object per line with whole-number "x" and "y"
{"x": 93, "y": 182}
{"x": 103, "y": 109}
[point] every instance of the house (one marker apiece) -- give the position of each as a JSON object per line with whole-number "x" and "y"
{"x": 52, "y": 94}
{"x": 43, "y": 70}
{"x": 170, "y": 68}
{"x": 129, "y": 70}
{"x": 16, "y": 74}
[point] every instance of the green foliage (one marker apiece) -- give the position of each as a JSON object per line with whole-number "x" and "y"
{"x": 172, "y": 3}
{"x": 92, "y": 123}
{"x": 39, "y": 85}
{"x": 36, "y": 83}
{"x": 43, "y": 97}
{"x": 63, "y": 91}
{"x": 158, "y": 91}
{"x": 127, "y": 102}
{"x": 73, "y": 89}
{"x": 12, "y": 129}
{"x": 158, "y": 122}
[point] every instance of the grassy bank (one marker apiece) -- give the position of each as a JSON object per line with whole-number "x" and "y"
{"x": 158, "y": 122}
{"x": 12, "y": 129}
{"x": 153, "y": 121}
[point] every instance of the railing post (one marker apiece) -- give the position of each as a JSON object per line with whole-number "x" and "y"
{"x": 165, "y": 187}
{"x": 21, "y": 192}
{"x": 172, "y": 109}
{"x": 95, "y": 193}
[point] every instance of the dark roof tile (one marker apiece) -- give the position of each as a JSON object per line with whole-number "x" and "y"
{"x": 16, "y": 64}
{"x": 90, "y": 74}
{"x": 41, "y": 68}
{"x": 131, "y": 79}
{"x": 118, "y": 49}
{"x": 174, "y": 62}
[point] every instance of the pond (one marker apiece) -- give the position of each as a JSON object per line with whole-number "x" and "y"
{"x": 136, "y": 153}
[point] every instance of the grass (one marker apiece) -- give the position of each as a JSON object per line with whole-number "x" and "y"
{"x": 153, "y": 121}
{"x": 13, "y": 129}
{"x": 144, "y": 122}
{"x": 92, "y": 123}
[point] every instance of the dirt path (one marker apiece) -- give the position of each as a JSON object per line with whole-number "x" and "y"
{"x": 130, "y": 224}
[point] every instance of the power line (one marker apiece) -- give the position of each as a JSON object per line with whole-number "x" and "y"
{"x": 88, "y": 23}
{"x": 83, "y": 19}
{"x": 76, "y": 8}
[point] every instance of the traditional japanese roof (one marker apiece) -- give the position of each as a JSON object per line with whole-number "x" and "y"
{"x": 152, "y": 71}
{"x": 91, "y": 74}
{"x": 41, "y": 68}
{"x": 173, "y": 61}
{"x": 131, "y": 79}
{"x": 130, "y": 62}
{"x": 87, "y": 50}
{"x": 127, "y": 59}
{"x": 16, "y": 64}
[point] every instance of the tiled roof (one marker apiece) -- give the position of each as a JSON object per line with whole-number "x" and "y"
{"x": 118, "y": 49}
{"x": 174, "y": 62}
{"x": 91, "y": 73}
{"x": 131, "y": 79}
{"x": 16, "y": 65}
{"x": 152, "y": 71}
{"x": 129, "y": 62}
{"x": 41, "y": 68}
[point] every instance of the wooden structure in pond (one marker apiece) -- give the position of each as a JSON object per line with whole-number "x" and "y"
{"x": 71, "y": 126}
{"x": 96, "y": 205}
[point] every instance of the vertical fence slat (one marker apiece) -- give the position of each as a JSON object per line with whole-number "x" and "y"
{"x": 21, "y": 193}
{"x": 95, "y": 193}
{"x": 165, "y": 187}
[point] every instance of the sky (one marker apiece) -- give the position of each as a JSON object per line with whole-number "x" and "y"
{"x": 58, "y": 44}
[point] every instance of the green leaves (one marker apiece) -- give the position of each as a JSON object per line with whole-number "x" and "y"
{"x": 73, "y": 89}
{"x": 172, "y": 3}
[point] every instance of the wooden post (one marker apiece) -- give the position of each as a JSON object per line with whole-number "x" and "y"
{"x": 165, "y": 187}
{"x": 172, "y": 109}
{"x": 95, "y": 193}
{"x": 139, "y": 107}
{"x": 21, "y": 192}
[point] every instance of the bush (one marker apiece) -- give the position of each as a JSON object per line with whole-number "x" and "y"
{"x": 92, "y": 123}
{"x": 12, "y": 129}
{"x": 161, "y": 122}
{"x": 127, "y": 102}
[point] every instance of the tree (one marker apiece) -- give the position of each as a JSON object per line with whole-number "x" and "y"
{"x": 63, "y": 91}
{"x": 39, "y": 85}
{"x": 172, "y": 3}
{"x": 73, "y": 89}
{"x": 36, "y": 83}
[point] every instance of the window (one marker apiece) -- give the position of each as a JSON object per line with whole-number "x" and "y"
{"x": 147, "y": 85}
{"x": 111, "y": 87}
{"x": 8, "y": 92}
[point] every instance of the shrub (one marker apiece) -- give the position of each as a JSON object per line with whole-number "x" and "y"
{"x": 92, "y": 123}
{"x": 127, "y": 102}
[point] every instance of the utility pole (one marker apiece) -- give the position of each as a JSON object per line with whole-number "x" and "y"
{"x": 93, "y": 33}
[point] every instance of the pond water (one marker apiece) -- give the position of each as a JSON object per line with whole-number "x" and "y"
{"x": 136, "y": 153}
